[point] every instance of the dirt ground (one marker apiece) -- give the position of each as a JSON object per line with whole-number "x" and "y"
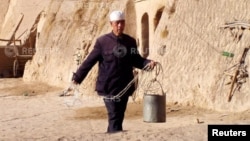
{"x": 34, "y": 111}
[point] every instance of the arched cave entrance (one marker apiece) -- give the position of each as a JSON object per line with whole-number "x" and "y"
{"x": 145, "y": 35}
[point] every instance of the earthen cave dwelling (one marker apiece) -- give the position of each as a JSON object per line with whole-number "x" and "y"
{"x": 202, "y": 45}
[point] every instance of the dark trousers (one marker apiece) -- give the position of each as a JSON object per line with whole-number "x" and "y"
{"x": 116, "y": 109}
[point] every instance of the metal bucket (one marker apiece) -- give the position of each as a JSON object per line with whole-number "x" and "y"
{"x": 154, "y": 109}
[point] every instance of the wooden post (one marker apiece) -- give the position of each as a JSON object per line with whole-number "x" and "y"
{"x": 242, "y": 61}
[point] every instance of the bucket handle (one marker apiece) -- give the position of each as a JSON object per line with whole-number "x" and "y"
{"x": 157, "y": 69}
{"x": 155, "y": 80}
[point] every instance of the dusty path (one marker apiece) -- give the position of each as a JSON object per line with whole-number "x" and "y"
{"x": 31, "y": 111}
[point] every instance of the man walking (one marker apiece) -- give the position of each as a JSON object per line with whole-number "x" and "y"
{"x": 117, "y": 55}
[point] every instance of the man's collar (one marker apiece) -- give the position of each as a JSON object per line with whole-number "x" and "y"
{"x": 113, "y": 35}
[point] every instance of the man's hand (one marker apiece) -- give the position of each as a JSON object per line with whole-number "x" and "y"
{"x": 151, "y": 64}
{"x": 74, "y": 82}
{"x": 70, "y": 89}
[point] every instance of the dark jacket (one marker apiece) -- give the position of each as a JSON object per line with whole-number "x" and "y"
{"x": 116, "y": 56}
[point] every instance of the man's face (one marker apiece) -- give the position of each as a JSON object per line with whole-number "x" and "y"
{"x": 118, "y": 27}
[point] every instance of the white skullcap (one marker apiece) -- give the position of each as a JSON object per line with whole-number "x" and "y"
{"x": 116, "y": 16}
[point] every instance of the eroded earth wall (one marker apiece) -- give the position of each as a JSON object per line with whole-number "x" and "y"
{"x": 185, "y": 37}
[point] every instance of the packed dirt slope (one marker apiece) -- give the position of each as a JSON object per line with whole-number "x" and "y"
{"x": 183, "y": 36}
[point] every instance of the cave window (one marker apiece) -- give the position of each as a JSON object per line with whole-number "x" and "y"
{"x": 158, "y": 17}
{"x": 145, "y": 35}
